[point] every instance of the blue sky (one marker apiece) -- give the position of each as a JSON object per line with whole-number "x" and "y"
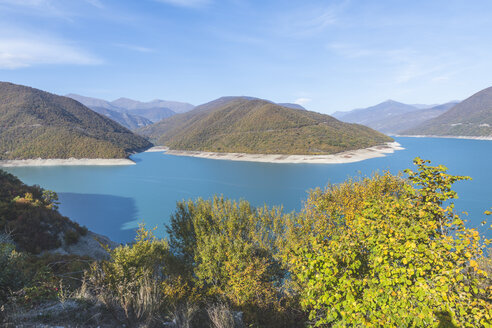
{"x": 326, "y": 55}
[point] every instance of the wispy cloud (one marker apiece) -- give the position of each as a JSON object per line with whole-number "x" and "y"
{"x": 133, "y": 47}
{"x": 187, "y": 3}
{"x": 21, "y": 52}
{"x": 96, "y": 3}
{"x": 302, "y": 101}
{"x": 306, "y": 21}
{"x": 406, "y": 64}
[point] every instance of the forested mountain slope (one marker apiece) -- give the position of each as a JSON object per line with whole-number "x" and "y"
{"x": 250, "y": 125}
{"x": 38, "y": 124}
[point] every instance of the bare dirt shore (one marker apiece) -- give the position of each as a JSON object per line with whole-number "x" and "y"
{"x": 65, "y": 162}
{"x": 156, "y": 149}
{"x": 340, "y": 158}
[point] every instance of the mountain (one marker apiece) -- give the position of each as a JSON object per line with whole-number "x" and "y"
{"x": 92, "y": 102}
{"x": 250, "y": 125}
{"x": 291, "y": 105}
{"x": 392, "y": 116}
{"x": 175, "y": 106}
{"x": 153, "y": 114}
{"x": 154, "y": 110}
{"x": 35, "y": 123}
{"x": 424, "y": 106}
{"x": 401, "y": 122}
{"x": 382, "y": 111}
{"x": 129, "y": 121}
{"x": 471, "y": 117}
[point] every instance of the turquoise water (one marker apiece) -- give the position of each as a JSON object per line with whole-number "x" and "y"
{"x": 112, "y": 200}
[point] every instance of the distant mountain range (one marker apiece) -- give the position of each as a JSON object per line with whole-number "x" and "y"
{"x": 136, "y": 111}
{"x": 129, "y": 121}
{"x": 392, "y": 116}
{"x": 38, "y": 124}
{"x": 251, "y": 125}
{"x": 471, "y": 117}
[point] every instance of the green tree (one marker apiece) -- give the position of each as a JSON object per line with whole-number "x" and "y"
{"x": 230, "y": 249}
{"x": 392, "y": 257}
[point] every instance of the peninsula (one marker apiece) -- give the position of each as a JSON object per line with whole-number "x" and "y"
{"x": 245, "y": 125}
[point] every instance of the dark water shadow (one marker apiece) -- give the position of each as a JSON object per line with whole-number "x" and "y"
{"x": 102, "y": 214}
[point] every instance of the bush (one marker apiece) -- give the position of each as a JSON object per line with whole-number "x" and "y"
{"x": 129, "y": 283}
{"x": 229, "y": 251}
{"x": 403, "y": 259}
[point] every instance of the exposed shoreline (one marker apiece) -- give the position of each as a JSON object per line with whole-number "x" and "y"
{"x": 340, "y": 158}
{"x": 156, "y": 149}
{"x": 447, "y": 137}
{"x": 65, "y": 162}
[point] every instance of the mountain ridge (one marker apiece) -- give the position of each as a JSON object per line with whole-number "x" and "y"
{"x": 471, "y": 117}
{"x": 154, "y": 110}
{"x": 252, "y": 125}
{"x": 38, "y": 124}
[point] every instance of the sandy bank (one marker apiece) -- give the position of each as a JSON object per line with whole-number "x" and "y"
{"x": 452, "y": 137}
{"x": 65, "y": 162}
{"x": 340, "y": 158}
{"x": 156, "y": 149}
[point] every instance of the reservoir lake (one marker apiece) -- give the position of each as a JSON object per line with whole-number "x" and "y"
{"x": 112, "y": 200}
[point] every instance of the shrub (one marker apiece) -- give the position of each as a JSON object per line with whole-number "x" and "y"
{"x": 128, "y": 283}
{"x": 71, "y": 237}
{"x": 403, "y": 259}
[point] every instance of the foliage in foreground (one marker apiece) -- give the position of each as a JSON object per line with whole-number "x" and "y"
{"x": 29, "y": 214}
{"x": 403, "y": 259}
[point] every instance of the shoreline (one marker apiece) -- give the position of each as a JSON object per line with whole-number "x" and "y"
{"x": 156, "y": 149}
{"x": 339, "y": 158}
{"x": 66, "y": 162}
{"x": 447, "y": 137}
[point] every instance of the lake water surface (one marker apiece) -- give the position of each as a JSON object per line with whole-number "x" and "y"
{"x": 113, "y": 200}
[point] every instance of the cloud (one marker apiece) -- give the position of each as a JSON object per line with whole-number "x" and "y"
{"x": 308, "y": 21}
{"x": 302, "y": 101}
{"x": 133, "y": 47}
{"x": 187, "y": 3}
{"x": 18, "y": 52}
{"x": 405, "y": 64}
{"x": 96, "y": 3}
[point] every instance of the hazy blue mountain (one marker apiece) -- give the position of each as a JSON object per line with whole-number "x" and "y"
{"x": 91, "y": 102}
{"x": 424, "y": 106}
{"x": 129, "y": 121}
{"x": 154, "y": 110}
{"x": 471, "y": 117}
{"x": 130, "y": 104}
{"x": 378, "y": 112}
{"x": 399, "y": 123}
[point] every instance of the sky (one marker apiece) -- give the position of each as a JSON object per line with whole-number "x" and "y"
{"x": 324, "y": 55}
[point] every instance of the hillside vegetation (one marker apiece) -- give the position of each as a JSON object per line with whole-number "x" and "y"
{"x": 29, "y": 214}
{"x": 471, "y": 117}
{"x": 38, "y": 124}
{"x": 250, "y": 125}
